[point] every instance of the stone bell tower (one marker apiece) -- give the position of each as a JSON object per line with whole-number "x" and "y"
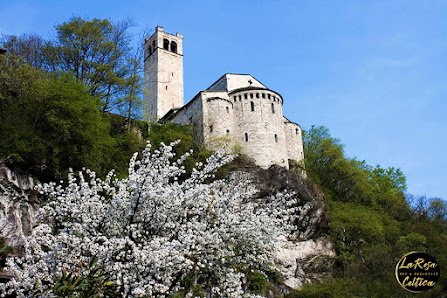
{"x": 163, "y": 74}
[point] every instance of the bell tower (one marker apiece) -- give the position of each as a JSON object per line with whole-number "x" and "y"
{"x": 163, "y": 74}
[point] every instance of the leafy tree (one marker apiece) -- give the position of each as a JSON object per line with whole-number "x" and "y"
{"x": 371, "y": 223}
{"x": 49, "y": 122}
{"x": 27, "y": 46}
{"x": 96, "y": 52}
{"x": 437, "y": 210}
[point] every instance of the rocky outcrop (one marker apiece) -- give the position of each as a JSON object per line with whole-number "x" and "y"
{"x": 306, "y": 255}
{"x": 304, "y": 261}
{"x": 18, "y": 204}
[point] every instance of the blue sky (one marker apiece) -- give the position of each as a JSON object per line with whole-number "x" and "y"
{"x": 373, "y": 72}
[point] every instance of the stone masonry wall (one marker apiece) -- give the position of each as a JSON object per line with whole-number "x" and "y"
{"x": 250, "y": 119}
{"x": 218, "y": 119}
{"x": 163, "y": 74}
{"x": 294, "y": 140}
{"x": 259, "y": 126}
{"x": 192, "y": 113}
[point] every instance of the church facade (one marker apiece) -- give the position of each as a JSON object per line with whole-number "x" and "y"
{"x": 237, "y": 108}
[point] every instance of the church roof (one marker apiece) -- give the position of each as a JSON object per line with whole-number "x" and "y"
{"x": 230, "y": 81}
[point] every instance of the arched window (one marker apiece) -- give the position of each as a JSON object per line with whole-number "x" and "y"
{"x": 252, "y": 104}
{"x": 235, "y": 98}
{"x": 228, "y": 110}
{"x": 297, "y": 131}
{"x": 166, "y": 44}
{"x": 246, "y": 137}
{"x": 174, "y": 47}
{"x": 211, "y": 128}
{"x": 276, "y": 138}
{"x": 245, "y": 96}
{"x": 240, "y": 98}
{"x": 251, "y": 95}
{"x": 257, "y": 95}
{"x": 273, "y": 108}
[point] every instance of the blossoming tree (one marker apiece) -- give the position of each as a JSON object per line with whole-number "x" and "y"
{"x": 151, "y": 231}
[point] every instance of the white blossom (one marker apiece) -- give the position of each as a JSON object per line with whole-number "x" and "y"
{"x": 152, "y": 229}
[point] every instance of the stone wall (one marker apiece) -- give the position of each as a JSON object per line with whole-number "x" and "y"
{"x": 192, "y": 113}
{"x": 250, "y": 118}
{"x": 218, "y": 119}
{"x": 259, "y": 126}
{"x": 294, "y": 140}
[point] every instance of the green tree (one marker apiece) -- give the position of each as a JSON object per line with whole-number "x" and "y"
{"x": 49, "y": 122}
{"x": 98, "y": 54}
{"x": 27, "y": 46}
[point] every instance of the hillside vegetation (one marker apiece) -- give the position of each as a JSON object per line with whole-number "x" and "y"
{"x": 373, "y": 222}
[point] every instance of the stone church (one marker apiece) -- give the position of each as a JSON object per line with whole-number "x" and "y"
{"x": 237, "y": 108}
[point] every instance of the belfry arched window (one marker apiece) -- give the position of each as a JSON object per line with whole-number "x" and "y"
{"x": 174, "y": 47}
{"x": 252, "y": 104}
{"x": 166, "y": 44}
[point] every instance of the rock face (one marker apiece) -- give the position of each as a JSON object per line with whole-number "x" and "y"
{"x": 18, "y": 204}
{"x": 304, "y": 261}
{"x": 306, "y": 255}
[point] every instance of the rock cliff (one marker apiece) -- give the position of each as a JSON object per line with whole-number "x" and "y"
{"x": 306, "y": 255}
{"x": 18, "y": 204}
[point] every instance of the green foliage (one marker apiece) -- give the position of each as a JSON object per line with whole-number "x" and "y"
{"x": 97, "y": 53}
{"x": 412, "y": 242}
{"x": 257, "y": 282}
{"x": 273, "y": 276}
{"x": 370, "y": 222}
{"x": 49, "y": 122}
{"x": 355, "y": 226}
{"x": 336, "y": 288}
{"x": 87, "y": 282}
{"x": 5, "y": 250}
{"x": 350, "y": 180}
